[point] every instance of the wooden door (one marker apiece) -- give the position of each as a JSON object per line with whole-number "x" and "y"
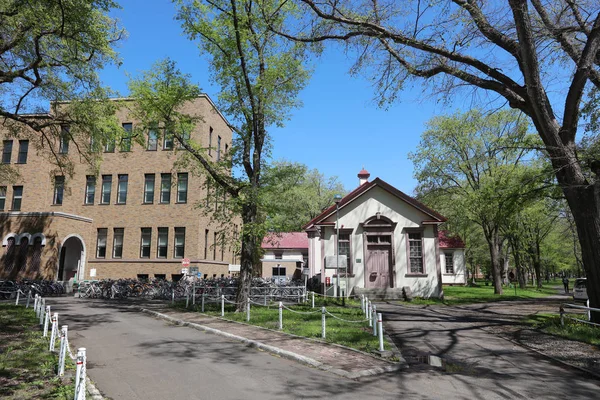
{"x": 378, "y": 267}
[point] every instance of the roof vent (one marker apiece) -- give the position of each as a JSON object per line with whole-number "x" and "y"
{"x": 363, "y": 176}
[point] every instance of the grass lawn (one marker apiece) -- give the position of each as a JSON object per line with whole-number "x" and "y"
{"x": 27, "y": 368}
{"x": 482, "y": 294}
{"x": 550, "y": 323}
{"x": 355, "y": 335}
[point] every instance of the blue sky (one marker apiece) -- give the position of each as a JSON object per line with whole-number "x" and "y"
{"x": 339, "y": 129}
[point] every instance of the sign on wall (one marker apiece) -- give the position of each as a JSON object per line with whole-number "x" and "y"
{"x": 331, "y": 263}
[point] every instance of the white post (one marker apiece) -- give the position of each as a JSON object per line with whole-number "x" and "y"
{"x": 367, "y": 307}
{"x": 187, "y": 299}
{"x": 280, "y": 315}
{"x": 222, "y": 305}
{"x": 362, "y": 303}
{"x": 313, "y": 299}
{"x": 248, "y": 311}
{"x": 265, "y": 299}
{"x": 202, "y": 302}
{"x": 380, "y": 324}
{"x": 589, "y": 312}
{"x": 80, "y": 375}
{"x": 54, "y": 332}
{"x": 369, "y": 317}
{"x": 35, "y": 301}
{"x": 18, "y": 295}
{"x": 374, "y": 314}
{"x": 194, "y": 292}
{"x": 63, "y": 350}
{"x": 28, "y": 299}
{"x": 323, "y": 323}
{"x": 172, "y": 296}
{"x": 42, "y": 310}
{"x": 46, "y": 320}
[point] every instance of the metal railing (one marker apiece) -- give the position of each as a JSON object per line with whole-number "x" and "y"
{"x": 587, "y": 308}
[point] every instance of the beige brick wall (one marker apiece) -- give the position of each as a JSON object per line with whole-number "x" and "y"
{"x": 37, "y": 179}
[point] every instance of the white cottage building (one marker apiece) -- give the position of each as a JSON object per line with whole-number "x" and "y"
{"x": 390, "y": 242}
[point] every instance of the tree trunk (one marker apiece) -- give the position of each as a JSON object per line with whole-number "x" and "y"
{"x": 493, "y": 240}
{"x": 519, "y": 269}
{"x": 250, "y": 243}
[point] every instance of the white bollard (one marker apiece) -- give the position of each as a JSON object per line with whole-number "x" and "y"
{"x": 28, "y": 299}
{"x": 202, "y": 302}
{"x": 46, "y": 321}
{"x": 248, "y": 311}
{"x": 280, "y": 315}
{"x": 194, "y": 293}
{"x": 313, "y": 299}
{"x": 35, "y": 301}
{"x": 54, "y": 332}
{"x": 222, "y": 305}
{"x": 323, "y": 311}
{"x": 187, "y": 300}
{"x": 18, "y": 296}
{"x": 369, "y": 316}
{"x": 42, "y": 311}
{"x": 380, "y": 325}
{"x": 589, "y": 312}
{"x": 63, "y": 350}
{"x": 172, "y": 296}
{"x": 80, "y": 375}
{"x": 362, "y": 303}
{"x": 374, "y": 314}
{"x": 367, "y": 307}
{"x": 265, "y": 300}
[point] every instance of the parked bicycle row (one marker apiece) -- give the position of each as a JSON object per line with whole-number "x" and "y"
{"x": 169, "y": 290}
{"x": 44, "y": 288}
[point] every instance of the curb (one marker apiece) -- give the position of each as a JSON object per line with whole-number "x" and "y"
{"x": 277, "y": 351}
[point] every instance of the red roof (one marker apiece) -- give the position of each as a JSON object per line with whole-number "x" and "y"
{"x": 450, "y": 242}
{"x": 285, "y": 240}
{"x": 384, "y": 185}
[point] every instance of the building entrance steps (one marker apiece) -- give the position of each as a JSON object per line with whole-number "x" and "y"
{"x": 340, "y": 360}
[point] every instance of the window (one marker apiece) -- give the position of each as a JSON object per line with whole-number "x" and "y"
{"x": 109, "y": 147}
{"x": 182, "y": 187}
{"x": 415, "y": 249}
{"x": 59, "y": 190}
{"x": 90, "y": 189}
{"x": 106, "y": 188}
{"x": 226, "y": 148}
{"x": 218, "y": 148}
{"x": 152, "y": 139}
{"x": 101, "y": 243}
{"x": 7, "y": 151}
{"x": 163, "y": 240}
{"x": 126, "y": 139}
{"x": 17, "y": 197}
{"x": 23, "y": 149}
{"x": 118, "y": 242}
{"x": 168, "y": 141}
{"x": 63, "y": 147}
{"x": 149, "y": 188}
{"x": 279, "y": 271}
{"x": 205, "y": 243}
{"x": 160, "y": 277}
{"x": 179, "y": 242}
{"x": 185, "y": 137}
{"x": 142, "y": 277}
{"x": 278, "y": 255}
{"x": 210, "y": 131}
{"x": 215, "y": 246}
{"x": 165, "y": 188}
{"x": 146, "y": 242}
{"x": 2, "y": 197}
{"x": 449, "y": 263}
{"x": 345, "y": 249}
{"x": 122, "y": 189}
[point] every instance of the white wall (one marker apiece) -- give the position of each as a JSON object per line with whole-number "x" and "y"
{"x": 458, "y": 278}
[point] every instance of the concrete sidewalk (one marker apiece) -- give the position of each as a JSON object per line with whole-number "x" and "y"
{"x": 340, "y": 360}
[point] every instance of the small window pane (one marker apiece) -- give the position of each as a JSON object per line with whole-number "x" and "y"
{"x": 163, "y": 240}
{"x": 149, "y": 188}
{"x": 118, "y": 242}
{"x": 23, "y": 149}
{"x": 182, "y": 187}
{"x": 152, "y": 139}
{"x": 126, "y": 140}
{"x": 122, "y": 189}
{"x": 179, "y": 242}
{"x": 101, "y": 243}
{"x": 106, "y": 189}
{"x": 7, "y": 151}
{"x": 90, "y": 189}
{"x": 64, "y": 140}
{"x": 146, "y": 242}
{"x": 59, "y": 189}
{"x": 165, "y": 188}
{"x": 2, "y": 197}
{"x": 17, "y": 197}
{"x": 168, "y": 141}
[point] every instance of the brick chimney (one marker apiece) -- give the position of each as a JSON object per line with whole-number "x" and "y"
{"x": 363, "y": 176}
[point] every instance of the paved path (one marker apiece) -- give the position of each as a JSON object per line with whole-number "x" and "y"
{"x": 134, "y": 356}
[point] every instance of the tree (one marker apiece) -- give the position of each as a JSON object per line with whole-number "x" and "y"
{"x": 294, "y": 195}
{"x": 538, "y": 56}
{"x": 50, "y": 51}
{"x": 474, "y": 162}
{"x": 260, "y": 76}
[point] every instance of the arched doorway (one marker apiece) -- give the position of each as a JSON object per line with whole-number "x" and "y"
{"x": 378, "y": 234}
{"x": 71, "y": 259}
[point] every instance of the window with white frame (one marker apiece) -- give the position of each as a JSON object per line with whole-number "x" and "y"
{"x": 2, "y": 197}
{"x": 168, "y": 141}
{"x": 118, "y": 242}
{"x": 17, "y": 197}
{"x": 165, "y": 188}
{"x": 179, "y": 243}
{"x": 122, "y": 189}
{"x": 101, "y": 243}
{"x": 345, "y": 249}
{"x": 59, "y": 190}
{"x": 182, "y": 187}
{"x": 449, "y": 262}
{"x": 152, "y": 139}
{"x": 106, "y": 189}
{"x": 145, "y": 243}
{"x": 7, "y": 151}
{"x": 23, "y": 150}
{"x": 90, "y": 189}
{"x": 149, "y": 188}
{"x": 415, "y": 248}
{"x": 163, "y": 242}
{"x": 126, "y": 139}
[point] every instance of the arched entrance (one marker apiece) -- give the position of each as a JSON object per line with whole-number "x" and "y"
{"x": 72, "y": 256}
{"x": 378, "y": 234}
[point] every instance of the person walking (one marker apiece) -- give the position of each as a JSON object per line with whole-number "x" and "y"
{"x": 566, "y": 284}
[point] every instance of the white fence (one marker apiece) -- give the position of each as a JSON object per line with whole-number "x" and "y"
{"x": 577, "y": 307}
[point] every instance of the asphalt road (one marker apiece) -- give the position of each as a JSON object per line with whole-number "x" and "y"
{"x": 134, "y": 356}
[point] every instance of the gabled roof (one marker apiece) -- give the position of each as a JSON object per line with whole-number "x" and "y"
{"x": 436, "y": 217}
{"x": 449, "y": 242}
{"x": 285, "y": 240}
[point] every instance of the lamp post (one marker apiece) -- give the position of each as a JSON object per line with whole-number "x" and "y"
{"x": 337, "y": 198}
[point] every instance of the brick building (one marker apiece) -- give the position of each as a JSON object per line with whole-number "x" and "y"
{"x": 138, "y": 217}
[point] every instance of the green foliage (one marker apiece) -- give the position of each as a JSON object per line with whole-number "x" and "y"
{"x": 294, "y": 195}
{"x": 51, "y": 51}
{"x": 572, "y": 330}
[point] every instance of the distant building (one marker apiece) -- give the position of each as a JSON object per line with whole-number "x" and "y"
{"x": 285, "y": 254}
{"x": 137, "y": 218}
{"x": 389, "y": 239}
